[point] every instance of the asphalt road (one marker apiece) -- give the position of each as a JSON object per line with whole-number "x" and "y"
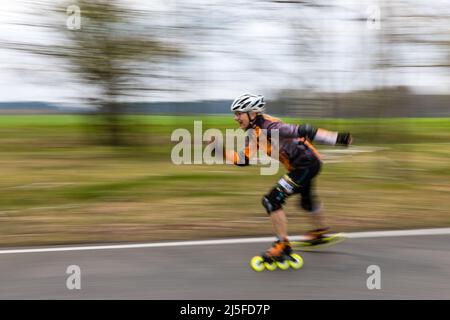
{"x": 412, "y": 267}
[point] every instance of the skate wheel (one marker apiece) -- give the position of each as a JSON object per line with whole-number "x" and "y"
{"x": 284, "y": 265}
{"x": 270, "y": 265}
{"x": 296, "y": 261}
{"x": 257, "y": 264}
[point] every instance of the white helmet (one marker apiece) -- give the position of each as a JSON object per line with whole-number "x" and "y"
{"x": 248, "y": 102}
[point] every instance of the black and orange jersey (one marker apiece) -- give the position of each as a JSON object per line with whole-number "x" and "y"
{"x": 295, "y": 149}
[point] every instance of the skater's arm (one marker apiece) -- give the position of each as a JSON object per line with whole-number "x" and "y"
{"x": 311, "y": 133}
{"x": 293, "y": 131}
{"x": 332, "y": 137}
{"x": 240, "y": 158}
{"x": 285, "y": 130}
{"x": 320, "y": 135}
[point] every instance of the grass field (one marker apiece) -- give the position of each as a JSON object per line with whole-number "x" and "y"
{"x": 59, "y": 186}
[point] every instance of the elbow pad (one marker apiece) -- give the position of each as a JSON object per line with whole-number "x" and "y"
{"x": 307, "y": 131}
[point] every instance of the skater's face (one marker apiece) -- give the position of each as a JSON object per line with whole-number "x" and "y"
{"x": 244, "y": 119}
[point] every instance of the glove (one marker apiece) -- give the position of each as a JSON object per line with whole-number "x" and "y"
{"x": 344, "y": 138}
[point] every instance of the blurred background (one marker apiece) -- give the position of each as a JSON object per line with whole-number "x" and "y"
{"x": 92, "y": 90}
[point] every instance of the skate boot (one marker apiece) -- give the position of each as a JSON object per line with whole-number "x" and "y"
{"x": 316, "y": 236}
{"x": 280, "y": 255}
{"x": 278, "y": 251}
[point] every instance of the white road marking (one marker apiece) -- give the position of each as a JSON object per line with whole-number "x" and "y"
{"x": 352, "y": 235}
{"x": 398, "y": 233}
{"x": 352, "y": 150}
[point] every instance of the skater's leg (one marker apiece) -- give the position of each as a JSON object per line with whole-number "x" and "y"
{"x": 318, "y": 219}
{"x": 312, "y": 205}
{"x": 282, "y": 247}
{"x": 279, "y": 223}
{"x": 273, "y": 203}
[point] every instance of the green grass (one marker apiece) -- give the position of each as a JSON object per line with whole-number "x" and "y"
{"x": 59, "y": 186}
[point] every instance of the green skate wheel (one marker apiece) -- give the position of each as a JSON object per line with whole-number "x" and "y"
{"x": 270, "y": 265}
{"x": 296, "y": 261}
{"x": 283, "y": 265}
{"x": 257, "y": 264}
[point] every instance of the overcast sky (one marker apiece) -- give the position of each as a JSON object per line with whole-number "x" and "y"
{"x": 245, "y": 48}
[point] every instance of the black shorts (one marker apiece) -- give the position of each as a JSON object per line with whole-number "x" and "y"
{"x": 297, "y": 181}
{"x": 303, "y": 179}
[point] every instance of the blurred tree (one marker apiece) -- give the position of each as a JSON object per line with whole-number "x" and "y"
{"x": 111, "y": 52}
{"x": 314, "y": 59}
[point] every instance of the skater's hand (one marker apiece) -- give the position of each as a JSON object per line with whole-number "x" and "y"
{"x": 344, "y": 139}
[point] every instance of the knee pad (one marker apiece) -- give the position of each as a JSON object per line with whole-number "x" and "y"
{"x": 274, "y": 200}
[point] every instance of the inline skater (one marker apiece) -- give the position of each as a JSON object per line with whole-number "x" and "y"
{"x": 300, "y": 158}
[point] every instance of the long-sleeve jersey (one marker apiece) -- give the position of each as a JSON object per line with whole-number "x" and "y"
{"x": 295, "y": 147}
